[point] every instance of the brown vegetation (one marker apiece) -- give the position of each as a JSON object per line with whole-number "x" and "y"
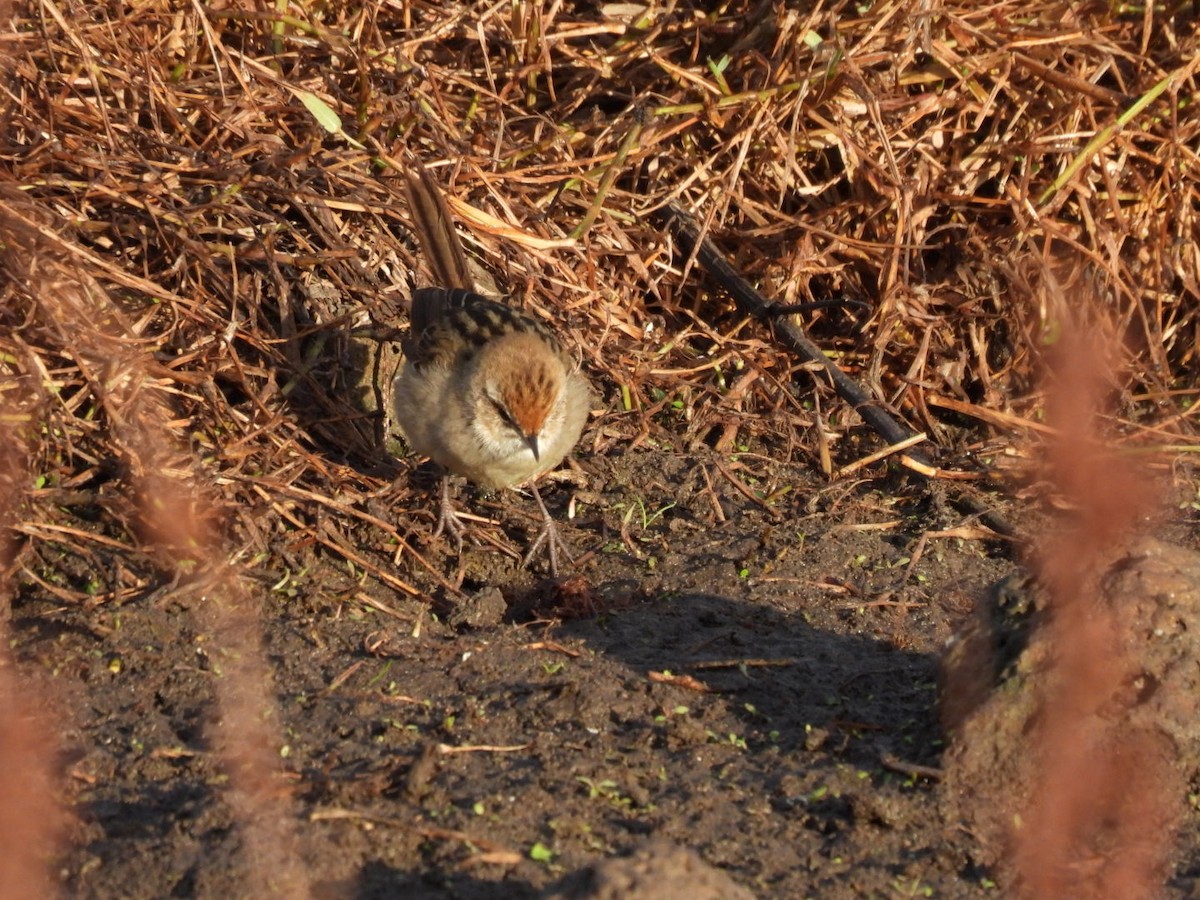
{"x": 204, "y": 219}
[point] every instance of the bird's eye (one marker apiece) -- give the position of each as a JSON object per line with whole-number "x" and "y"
{"x": 503, "y": 413}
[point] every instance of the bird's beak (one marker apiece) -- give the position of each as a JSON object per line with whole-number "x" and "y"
{"x": 531, "y": 440}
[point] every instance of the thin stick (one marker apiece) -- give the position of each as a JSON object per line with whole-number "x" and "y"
{"x": 751, "y": 302}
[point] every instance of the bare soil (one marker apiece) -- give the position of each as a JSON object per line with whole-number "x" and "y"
{"x": 757, "y": 681}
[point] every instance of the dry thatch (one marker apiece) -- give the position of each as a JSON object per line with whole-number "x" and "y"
{"x": 221, "y": 183}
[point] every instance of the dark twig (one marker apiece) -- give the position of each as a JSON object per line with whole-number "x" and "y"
{"x": 791, "y": 309}
{"x": 751, "y": 302}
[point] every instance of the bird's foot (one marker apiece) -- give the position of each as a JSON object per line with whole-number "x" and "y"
{"x": 448, "y": 519}
{"x": 548, "y": 537}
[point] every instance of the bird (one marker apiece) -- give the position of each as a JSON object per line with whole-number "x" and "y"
{"x": 485, "y": 391}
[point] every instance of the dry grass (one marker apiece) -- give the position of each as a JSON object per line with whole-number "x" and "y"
{"x": 939, "y": 163}
{"x": 189, "y": 247}
{"x": 29, "y": 819}
{"x": 918, "y": 160}
{"x": 1095, "y": 774}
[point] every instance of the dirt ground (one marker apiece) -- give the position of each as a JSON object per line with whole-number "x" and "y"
{"x": 754, "y": 681}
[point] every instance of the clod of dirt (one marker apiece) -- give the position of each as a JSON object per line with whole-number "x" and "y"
{"x": 575, "y": 597}
{"x": 995, "y": 678}
{"x": 657, "y": 870}
{"x": 482, "y": 609}
{"x": 420, "y": 775}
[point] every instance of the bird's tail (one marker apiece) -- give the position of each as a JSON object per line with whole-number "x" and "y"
{"x": 435, "y": 230}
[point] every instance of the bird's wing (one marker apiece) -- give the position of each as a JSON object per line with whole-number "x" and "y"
{"x": 450, "y": 322}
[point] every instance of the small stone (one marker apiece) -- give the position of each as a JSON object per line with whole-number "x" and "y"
{"x": 482, "y": 609}
{"x": 657, "y": 870}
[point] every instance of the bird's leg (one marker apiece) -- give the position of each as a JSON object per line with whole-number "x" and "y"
{"x": 448, "y": 519}
{"x": 548, "y": 536}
